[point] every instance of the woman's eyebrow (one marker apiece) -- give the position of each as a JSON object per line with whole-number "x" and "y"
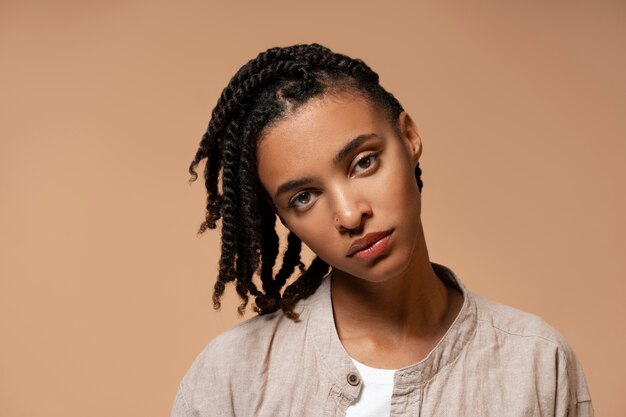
{"x": 351, "y": 146}
{"x": 290, "y": 185}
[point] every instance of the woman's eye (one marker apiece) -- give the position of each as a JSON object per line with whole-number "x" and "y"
{"x": 301, "y": 199}
{"x": 366, "y": 163}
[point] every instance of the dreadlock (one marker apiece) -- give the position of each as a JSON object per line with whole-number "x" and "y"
{"x": 261, "y": 93}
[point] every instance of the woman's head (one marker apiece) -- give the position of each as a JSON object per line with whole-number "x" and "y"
{"x": 262, "y": 96}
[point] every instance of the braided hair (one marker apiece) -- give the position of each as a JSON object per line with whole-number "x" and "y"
{"x": 264, "y": 91}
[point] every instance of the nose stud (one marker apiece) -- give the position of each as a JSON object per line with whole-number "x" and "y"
{"x": 338, "y": 223}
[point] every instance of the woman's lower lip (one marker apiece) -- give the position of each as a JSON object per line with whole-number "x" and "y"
{"x": 374, "y": 250}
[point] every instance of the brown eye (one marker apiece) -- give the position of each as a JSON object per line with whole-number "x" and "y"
{"x": 366, "y": 163}
{"x": 303, "y": 199}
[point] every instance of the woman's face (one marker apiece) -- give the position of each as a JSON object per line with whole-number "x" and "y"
{"x": 342, "y": 179}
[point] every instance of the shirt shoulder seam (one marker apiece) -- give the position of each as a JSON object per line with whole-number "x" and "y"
{"x": 554, "y": 342}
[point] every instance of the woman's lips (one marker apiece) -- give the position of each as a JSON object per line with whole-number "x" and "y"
{"x": 370, "y": 245}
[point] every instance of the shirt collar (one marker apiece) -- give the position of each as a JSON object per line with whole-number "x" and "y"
{"x": 332, "y": 354}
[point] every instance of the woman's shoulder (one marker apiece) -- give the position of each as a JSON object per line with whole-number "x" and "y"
{"x": 231, "y": 360}
{"x": 243, "y": 349}
{"x": 496, "y": 318}
{"x": 250, "y": 331}
{"x": 530, "y": 342}
{"x": 529, "y": 337}
{"x": 515, "y": 322}
{"x": 249, "y": 339}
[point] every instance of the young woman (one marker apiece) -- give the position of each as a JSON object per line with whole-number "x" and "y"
{"x": 371, "y": 327}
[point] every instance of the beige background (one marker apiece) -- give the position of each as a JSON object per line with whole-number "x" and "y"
{"x": 105, "y": 289}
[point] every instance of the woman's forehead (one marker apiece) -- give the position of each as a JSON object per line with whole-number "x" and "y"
{"x": 319, "y": 124}
{"x": 309, "y": 139}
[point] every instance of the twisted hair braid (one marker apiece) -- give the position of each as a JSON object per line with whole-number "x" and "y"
{"x": 262, "y": 92}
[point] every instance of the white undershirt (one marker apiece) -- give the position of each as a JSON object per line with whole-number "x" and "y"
{"x": 375, "y": 397}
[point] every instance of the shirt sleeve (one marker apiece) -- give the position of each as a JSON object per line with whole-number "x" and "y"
{"x": 180, "y": 408}
{"x": 583, "y": 409}
{"x": 206, "y": 388}
{"x": 573, "y": 398}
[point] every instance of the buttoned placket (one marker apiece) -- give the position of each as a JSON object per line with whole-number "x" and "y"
{"x": 407, "y": 391}
{"x": 344, "y": 394}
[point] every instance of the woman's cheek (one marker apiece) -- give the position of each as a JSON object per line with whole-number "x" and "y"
{"x": 309, "y": 228}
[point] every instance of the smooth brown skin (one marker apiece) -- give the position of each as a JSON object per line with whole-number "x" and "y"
{"x": 390, "y": 312}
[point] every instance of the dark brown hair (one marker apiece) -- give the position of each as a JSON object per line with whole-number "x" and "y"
{"x": 265, "y": 90}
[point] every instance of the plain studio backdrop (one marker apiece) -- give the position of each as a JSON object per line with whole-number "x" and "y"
{"x": 105, "y": 290}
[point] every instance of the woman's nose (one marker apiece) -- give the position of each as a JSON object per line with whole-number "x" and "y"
{"x": 350, "y": 213}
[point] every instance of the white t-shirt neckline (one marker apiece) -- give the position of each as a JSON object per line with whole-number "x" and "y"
{"x": 375, "y": 397}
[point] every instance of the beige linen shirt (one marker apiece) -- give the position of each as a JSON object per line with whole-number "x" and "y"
{"x": 494, "y": 360}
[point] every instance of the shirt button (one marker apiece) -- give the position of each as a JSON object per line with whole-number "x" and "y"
{"x": 353, "y": 379}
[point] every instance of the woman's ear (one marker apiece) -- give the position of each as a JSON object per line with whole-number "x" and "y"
{"x": 410, "y": 137}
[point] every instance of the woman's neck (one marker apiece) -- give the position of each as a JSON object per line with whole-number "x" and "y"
{"x": 408, "y": 313}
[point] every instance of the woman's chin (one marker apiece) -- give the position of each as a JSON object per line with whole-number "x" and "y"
{"x": 383, "y": 271}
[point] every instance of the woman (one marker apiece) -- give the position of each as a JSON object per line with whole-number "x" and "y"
{"x": 371, "y": 327}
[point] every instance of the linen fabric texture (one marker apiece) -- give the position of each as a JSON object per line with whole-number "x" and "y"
{"x": 494, "y": 360}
